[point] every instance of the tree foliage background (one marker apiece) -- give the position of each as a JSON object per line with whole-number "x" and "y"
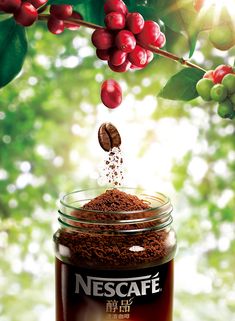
{"x": 48, "y": 125}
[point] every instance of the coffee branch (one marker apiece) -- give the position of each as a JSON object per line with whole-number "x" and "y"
{"x": 163, "y": 53}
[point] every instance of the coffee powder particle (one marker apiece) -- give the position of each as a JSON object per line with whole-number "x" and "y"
{"x": 112, "y": 173}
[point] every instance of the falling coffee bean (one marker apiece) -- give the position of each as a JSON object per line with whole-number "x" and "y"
{"x": 108, "y": 136}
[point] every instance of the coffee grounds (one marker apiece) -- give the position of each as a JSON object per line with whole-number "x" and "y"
{"x": 100, "y": 248}
{"x": 112, "y": 171}
{"x": 115, "y": 200}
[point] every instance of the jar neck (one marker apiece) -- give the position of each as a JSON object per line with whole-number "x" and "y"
{"x": 74, "y": 217}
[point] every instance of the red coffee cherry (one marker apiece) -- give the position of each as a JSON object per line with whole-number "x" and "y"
{"x": 102, "y": 39}
{"x": 115, "y": 6}
{"x": 117, "y": 57}
{"x": 115, "y": 21}
{"x": 161, "y": 41}
{"x": 135, "y": 22}
{"x": 150, "y": 56}
{"x": 149, "y": 59}
{"x": 111, "y": 93}
{"x": 122, "y": 68}
{"x": 220, "y": 72}
{"x": 150, "y": 33}
{"x": 133, "y": 67}
{"x": 138, "y": 56}
{"x": 61, "y": 11}
{"x": 77, "y": 15}
{"x": 103, "y": 54}
{"x": 10, "y": 6}
{"x": 209, "y": 75}
{"x": 26, "y": 15}
{"x": 125, "y": 41}
{"x": 55, "y": 25}
{"x": 198, "y": 4}
{"x": 71, "y": 25}
{"x": 37, "y": 3}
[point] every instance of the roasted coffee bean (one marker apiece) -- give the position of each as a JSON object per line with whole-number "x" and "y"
{"x": 108, "y": 136}
{"x": 104, "y": 138}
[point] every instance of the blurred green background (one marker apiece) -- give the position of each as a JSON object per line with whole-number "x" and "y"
{"x": 49, "y": 118}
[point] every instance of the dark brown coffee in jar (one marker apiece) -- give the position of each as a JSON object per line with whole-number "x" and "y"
{"x": 114, "y": 256}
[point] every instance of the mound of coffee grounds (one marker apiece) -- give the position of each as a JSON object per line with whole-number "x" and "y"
{"x": 115, "y": 200}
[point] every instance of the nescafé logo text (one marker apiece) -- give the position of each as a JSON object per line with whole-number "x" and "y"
{"x": 110, "y": 287}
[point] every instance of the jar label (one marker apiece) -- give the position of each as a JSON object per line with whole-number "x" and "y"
{"x": 99, "y": 295}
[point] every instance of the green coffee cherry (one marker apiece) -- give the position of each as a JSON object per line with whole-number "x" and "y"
{"x": 204, "y": 87}
{"x": 229, "y": 82}
{"x": 232, "y": 99}
{"x": 225, "y": 109}
{"x": 222, "y": 37}
{"x": 219, "y": 92}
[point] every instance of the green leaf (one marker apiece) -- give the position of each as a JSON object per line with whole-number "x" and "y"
{"x": 177, "y": 15}
{"x": 182, "y": 86}
{"x": 91, "y": 10}
{"x": 181, "y": 18}
{"x": 192, "y": 43}
{"x": 13, "y": 49}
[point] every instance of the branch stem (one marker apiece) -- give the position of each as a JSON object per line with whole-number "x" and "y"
{"x": 156, "y": 50}
{"x": 172, "y": 56}
{"x": 45, "y": 17}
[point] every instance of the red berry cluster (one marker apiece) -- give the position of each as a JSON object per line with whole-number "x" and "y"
{"x": 122, "y": 43}
{"x": 25, "y": 12}
{"x": 218, "y": 74}
{"x": 59, "y": 13}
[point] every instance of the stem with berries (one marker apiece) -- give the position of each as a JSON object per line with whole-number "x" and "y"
{"x": 128, "y": 42}
{"x": 163, "y": 53}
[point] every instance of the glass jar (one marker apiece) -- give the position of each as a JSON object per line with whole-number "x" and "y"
{"x": 114, "y": 265}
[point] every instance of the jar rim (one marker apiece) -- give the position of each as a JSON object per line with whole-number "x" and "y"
{"x": 157, "y": 216}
